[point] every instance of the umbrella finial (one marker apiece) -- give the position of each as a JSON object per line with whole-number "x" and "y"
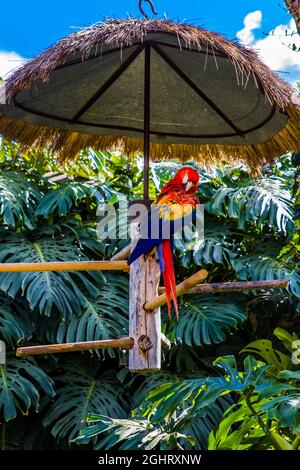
{"x": 151, "y": 5}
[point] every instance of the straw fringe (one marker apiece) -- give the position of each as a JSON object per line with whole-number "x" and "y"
{"x": 67, "y": 145}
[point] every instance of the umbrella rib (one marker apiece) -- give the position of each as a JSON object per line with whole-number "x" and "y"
{"x": 109, "y": 82}
{"x": 199, "y": 92}
{"x": 140, "y": 130}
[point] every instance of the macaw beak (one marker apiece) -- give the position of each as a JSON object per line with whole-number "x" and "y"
{"x": 188, "y": 186}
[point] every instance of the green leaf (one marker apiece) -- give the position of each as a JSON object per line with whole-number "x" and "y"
{"x": 281, "y": 443}
{"x": 285, "y": 409}
{"x": 289, "y": 374}
{"x": 18, "y": 199}
{"x": 265, "y": 202}
{"x": 61, "y": 200}
{"x": 84, "y": 390}
{"x": 286, "y": 338}
{"x": 273, "y": 357}
{"x": 47, "y": 290}
{"x": 232, "y": 432}
{"x": 15, "y": 323}
{"x": 264, "y": 267}
{"x": 221, "y": 244}
{"x": 100, "y": 318}
{"x": 206, "y": 319}
{"x": 20, "y": 380}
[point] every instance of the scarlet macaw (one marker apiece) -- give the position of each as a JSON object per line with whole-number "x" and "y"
{"x": 177, "y": 195}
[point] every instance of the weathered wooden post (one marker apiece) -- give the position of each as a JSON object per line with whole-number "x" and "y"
{"x": 144, "y": 327}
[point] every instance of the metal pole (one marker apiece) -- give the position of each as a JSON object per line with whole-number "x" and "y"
{"x": 147, "y": 120}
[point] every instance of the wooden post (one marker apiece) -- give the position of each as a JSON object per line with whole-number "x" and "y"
{"x": 144, "y": 327}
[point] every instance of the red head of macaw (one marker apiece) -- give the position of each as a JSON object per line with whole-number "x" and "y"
{"x": 177, "y": 195}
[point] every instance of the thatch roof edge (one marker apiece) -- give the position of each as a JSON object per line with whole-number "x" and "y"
{"x": 122, "y": 33}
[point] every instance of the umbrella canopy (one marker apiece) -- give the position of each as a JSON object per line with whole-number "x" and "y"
{"x": 187, "y": 92}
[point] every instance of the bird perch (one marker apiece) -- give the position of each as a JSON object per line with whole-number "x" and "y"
{"x": 64, "y": 266}
{"x": 123, "y": 343}
{"x": 214, "y": 288}
{"x": 121, "y": 255}
{"x": 181, "y": 288}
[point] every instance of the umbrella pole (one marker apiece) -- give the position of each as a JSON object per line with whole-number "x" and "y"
{"x": 147, "y": 120}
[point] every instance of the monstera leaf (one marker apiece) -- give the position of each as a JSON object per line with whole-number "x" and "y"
{"x": 202, "y": 424}
{"x": 20, "y": 381}
{"x": 196, "y": 425}
{"x": 286, "y": 409}
{"x": 186, "y": 431}
{"x": 208, "y": 319}
{"x": 84, "y": 389}
{"x": 60, "y": 201}
{"x": 132, "y": 434}
{"x": 15, "y": 322}
{"x": 265, "y": 202}
{"x": 264, "y": 267}
{"x": 264, "y": 349}
{"x": 202, "y": 393}
{"x": 221, "y": 243}
{"x": 18, "y": 199}
{"x": 103, "y": 317}
{"x": 46, "y": 290}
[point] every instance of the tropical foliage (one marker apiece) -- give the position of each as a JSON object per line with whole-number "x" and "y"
{"x": 229, "y": 381}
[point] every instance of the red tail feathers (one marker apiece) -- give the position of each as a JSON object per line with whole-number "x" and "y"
{"x": 169, "y": 277}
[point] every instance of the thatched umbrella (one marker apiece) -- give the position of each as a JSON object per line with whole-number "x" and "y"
{"x": 153, "y": 86}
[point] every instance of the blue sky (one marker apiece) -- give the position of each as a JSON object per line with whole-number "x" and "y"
{"x": 26, "y": 28}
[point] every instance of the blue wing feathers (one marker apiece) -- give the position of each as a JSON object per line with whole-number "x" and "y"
{"x": 143, "y": 246}
{"x": 161, "y": 258}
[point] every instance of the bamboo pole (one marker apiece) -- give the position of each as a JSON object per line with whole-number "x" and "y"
{"x": 121, "y": 255}
{"x": 64, "y": 266}
{"x": 181, "y": 288}
{"x": 124, "y": 343}
{"x": 235, "y": 286}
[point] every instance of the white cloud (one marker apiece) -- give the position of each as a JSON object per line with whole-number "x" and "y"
{"x": 251, "y": 21}
{"x": 274, "y": 49}
{"x": 9, "y": 61}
